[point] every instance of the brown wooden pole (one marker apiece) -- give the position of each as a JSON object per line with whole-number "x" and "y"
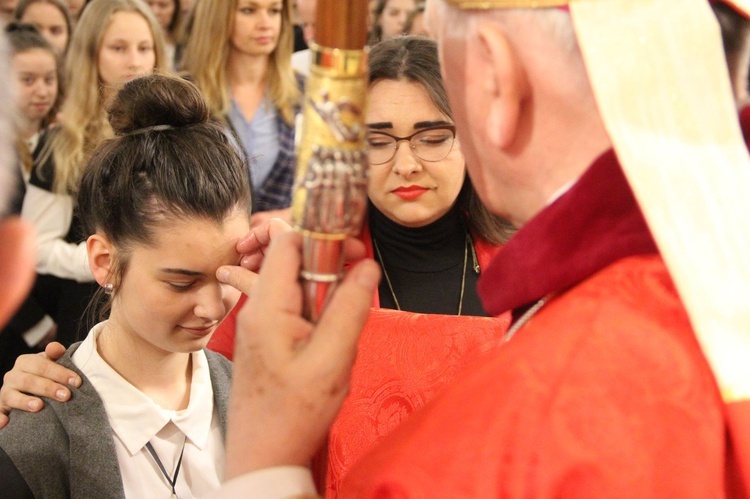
{"x": 341, "y": 24}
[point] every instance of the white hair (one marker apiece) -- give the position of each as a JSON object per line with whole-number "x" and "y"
{"x": 539, "y": 33}
{"x": 555, "y": 22}
{"x": 8, "y": 162}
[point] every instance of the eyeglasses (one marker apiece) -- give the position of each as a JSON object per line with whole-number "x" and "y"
{"x": 431, "y": 144}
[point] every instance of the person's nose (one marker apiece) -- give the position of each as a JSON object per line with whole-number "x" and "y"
{"x": 40, "y": 88}
{"x": 406, "y": 162}
{"x": 265, "y": 19}
{"x": 210, "y": 303}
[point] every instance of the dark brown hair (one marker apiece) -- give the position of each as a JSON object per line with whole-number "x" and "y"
{"x": 167, "y": 160}
{"x": 415, "y": 59}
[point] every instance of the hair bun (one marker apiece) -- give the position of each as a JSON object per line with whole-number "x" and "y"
{"x": 157, "y": 102}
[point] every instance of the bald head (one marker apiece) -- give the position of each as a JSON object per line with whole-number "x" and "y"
{"x": 525, "y": 112}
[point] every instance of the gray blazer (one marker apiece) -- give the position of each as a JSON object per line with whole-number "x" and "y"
{"x": 67, "y": 449}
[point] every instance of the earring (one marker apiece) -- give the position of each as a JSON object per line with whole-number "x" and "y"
{"x": 109, "y": 288}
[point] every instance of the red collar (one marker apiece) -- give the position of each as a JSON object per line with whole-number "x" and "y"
{"x": 745, "y": 123}
{"x": 594, "y": 224}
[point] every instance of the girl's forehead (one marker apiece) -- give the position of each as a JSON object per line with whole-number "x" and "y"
{"x": 198, "y": 244}
{"x": 36, "y": 56}
{"x": 187, "y": 230}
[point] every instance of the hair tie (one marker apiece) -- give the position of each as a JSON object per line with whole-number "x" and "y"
{"x": 153, "y": 128}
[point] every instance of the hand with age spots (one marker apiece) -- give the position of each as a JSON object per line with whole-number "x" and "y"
{"x": 290, "y": 376}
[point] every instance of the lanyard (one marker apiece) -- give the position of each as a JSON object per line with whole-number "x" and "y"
{"x": 172, "y": 481}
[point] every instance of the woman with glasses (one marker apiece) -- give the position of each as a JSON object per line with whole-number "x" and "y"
{"x": 420, "y": 227}
{"x": 432, "y": 238}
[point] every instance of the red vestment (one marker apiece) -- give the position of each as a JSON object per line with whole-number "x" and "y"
{"x": 603, "y": 393}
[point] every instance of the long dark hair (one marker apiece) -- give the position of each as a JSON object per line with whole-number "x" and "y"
{"x": 415, "y": 59}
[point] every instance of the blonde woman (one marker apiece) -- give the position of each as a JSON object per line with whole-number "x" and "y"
{"x": 239, "y": 55}
{"x": 114, "y": 41}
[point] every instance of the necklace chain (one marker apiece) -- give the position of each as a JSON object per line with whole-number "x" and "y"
{"x": 468, "y": 244}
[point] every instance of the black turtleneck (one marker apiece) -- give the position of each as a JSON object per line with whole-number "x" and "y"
{"x": 425, "y": 265}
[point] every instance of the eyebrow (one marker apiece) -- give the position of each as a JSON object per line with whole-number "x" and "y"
{"x": 430, "y": 124}
{"x": 254, "y": 3}
{"x": 386, "y": 125}
{"x": 190, "y": 273}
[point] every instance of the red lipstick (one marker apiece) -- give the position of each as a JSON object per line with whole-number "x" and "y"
{"x": 409, "y": 192}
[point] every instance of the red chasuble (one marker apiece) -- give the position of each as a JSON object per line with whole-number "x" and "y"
{"x": 603, "y": 393}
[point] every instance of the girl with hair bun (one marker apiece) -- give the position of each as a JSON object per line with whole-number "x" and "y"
{"x": 164, "y": 204}
{"x": 114, "y": 41}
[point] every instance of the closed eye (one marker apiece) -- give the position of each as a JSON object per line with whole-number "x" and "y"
{"x": 378, "y": 142}
{"x": 181, "y": 286}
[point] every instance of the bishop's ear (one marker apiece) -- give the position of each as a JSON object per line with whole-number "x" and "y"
{"x": 505, "y": 84}
{"x": 101, "y": 253}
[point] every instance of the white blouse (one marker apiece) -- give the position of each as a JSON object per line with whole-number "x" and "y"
{"x": 136, "y": 420}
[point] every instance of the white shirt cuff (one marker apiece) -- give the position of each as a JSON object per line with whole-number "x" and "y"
{"x": 270, "y": 483}
{"x": 35, "y": 334}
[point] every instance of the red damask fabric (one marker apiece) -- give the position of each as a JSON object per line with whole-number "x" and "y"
{"x": 403, "y": 361}
{"x": 604, "y": 393}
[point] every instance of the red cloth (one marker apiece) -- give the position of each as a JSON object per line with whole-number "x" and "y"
{"x": 603, "y": 393}
{"x": 745, "y": 123}
{"x": 403, "y": 360}
{"x": 222, "y": 340}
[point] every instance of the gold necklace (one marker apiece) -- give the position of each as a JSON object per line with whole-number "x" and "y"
{"x": 467, "y": 245}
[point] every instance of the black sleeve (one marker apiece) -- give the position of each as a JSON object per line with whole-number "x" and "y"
{"x": 43, "y": 174}
{"x": 28, "y": 316}
{"x": 12, "y": 483}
